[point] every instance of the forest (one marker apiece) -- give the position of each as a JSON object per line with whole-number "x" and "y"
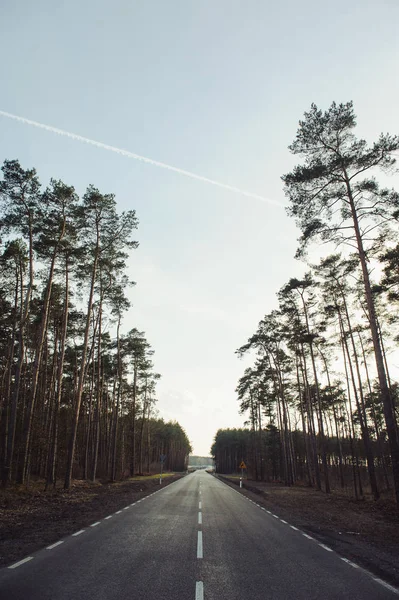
{"x": 77, "y": 390}
{"x": 321, "y": 399}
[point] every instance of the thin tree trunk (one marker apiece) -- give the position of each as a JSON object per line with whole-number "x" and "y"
{"x": 11, "y": 399}
{"x": 382, "y": 377}
{"x": 72, "y": 440}
{"x": 27, "y": 428}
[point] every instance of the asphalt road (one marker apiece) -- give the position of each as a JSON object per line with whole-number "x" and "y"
{"x": 195, "y": 539}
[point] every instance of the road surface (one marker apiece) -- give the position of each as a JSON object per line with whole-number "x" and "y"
{"x": 195, "y": 539}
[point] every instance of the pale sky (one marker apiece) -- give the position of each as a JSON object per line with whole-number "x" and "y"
{"x": 215, "y": 87}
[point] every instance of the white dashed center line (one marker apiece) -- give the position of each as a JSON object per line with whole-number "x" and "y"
{"x": 78, "y": 533}
{"x": 200, "y": 505}
{"x": 109, "y": 517}
{"x": 95, "y": 524}
{"x": 200, "y": 518}
{"x": 200, "y": 553}
{"x": 199, "y": 590}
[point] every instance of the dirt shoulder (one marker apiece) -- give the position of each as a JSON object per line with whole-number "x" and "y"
{"x": 365, "y": 532}
{"x": 32, "y": 519}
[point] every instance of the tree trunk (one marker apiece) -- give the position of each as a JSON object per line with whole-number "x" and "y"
{"x": 382, "y": 377}
{"x": 12, "y": 399}
{"x": 72, "y": 440}
{"x": 320, "y": 413}
{"x": 27, "y": 428}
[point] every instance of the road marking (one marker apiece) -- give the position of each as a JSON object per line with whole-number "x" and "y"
{"x": 54, "y": 545}
{"x": 262, "y": 508}
{"x": 282, "y": 520}
{"x": 118, "y": 512}
{"x": 79, "y": 532}
{"x": 349, "y": 562}
{"x": 109, "y": 517}
{"x": 200, "y": 505}
{"x": 95, "y": 524}
{"x": 326, "y": 548}
{"x": 386, "y": 585}
{"x": 200, "y": 553}
{"x": 268, "y": 512}
{"x": 200, "y": 518}
{"x": 307, "y": 536}
{"x": 21, "y": 562}
{"x": 293, "y": 527}
{"x": 199, "y": 590}
{"x": 276, "y": 517}
{"x": 126, "y": 507}
{"x": 200, "y": 492}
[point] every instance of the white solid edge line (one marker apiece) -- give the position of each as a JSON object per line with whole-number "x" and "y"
{"x": 78, "y": 532}
{"x": 376, "y": 579}
{"x": 55, "y": 545}
{"x": 200, "y": 553}
{"x": 199, "y": 590}
{"x": 95, "y": 524}
{"x": 326, "y": 548}
{"x": 386, "y": 585}
{"x": 199, "y": 518}
{"x": 21, "y": 562}
{"x": 349, "y": 562}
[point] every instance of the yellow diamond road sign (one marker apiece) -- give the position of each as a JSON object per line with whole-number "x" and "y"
{"x": 243, "y": 465}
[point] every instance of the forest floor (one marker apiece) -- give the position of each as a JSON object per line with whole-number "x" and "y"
{"x": 31, "y": 518}
{"x": 366, "y": 532}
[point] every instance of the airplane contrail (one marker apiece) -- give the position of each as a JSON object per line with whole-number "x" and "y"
{"x": 150, "y": 161}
